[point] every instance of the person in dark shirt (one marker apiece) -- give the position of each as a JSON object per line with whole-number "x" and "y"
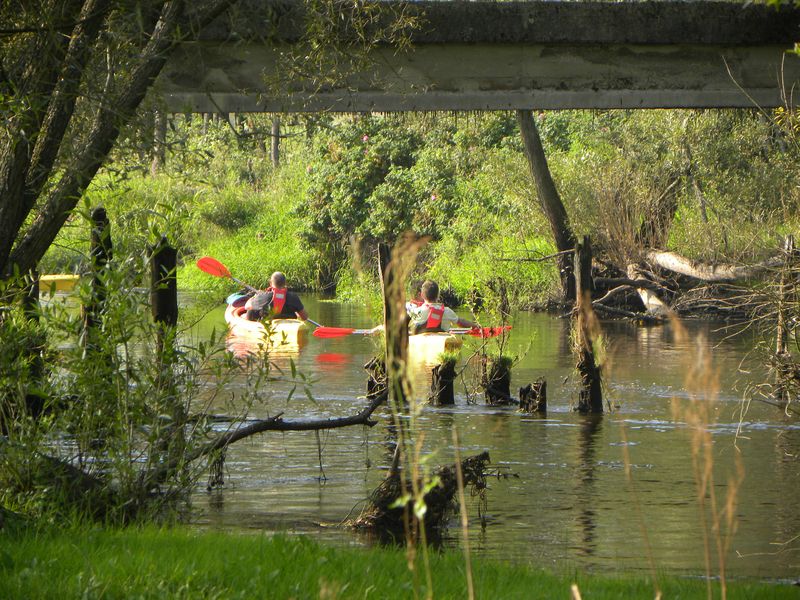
{"x": 276, "y": 302}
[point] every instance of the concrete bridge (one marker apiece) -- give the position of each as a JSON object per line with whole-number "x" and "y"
{"x": 506, "y": 55}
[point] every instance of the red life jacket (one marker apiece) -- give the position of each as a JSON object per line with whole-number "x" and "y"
{"x": 278, "y": 300}
{"x": 435, "y": 314}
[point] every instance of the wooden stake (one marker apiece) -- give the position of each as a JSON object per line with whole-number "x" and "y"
{"x": 590, "y": 399}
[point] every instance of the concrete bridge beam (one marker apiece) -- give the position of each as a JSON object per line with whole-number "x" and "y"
{"x": 504, "y": 56}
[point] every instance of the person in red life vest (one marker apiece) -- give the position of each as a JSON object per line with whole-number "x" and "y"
{"x": 432, "y": 315}
{"x": 276, "y": 302}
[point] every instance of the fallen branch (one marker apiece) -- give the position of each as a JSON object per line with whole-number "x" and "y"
{"x": 625, "y": 281}
{"x": 158, "y": 474}
{"x": 647, "y": 318}
{"x": 540, "y": 258}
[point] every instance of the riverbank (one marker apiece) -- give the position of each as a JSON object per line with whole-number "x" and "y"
{"x": 183, "y": 563}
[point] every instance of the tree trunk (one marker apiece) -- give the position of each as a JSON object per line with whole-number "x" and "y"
{"x": 395, "y": 321}
{"x": 549, "y": 199}
{"x": 159, "y": 142}
{"x": 23, "y": 179}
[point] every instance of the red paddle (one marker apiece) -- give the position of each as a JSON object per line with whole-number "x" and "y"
{"x": 337, "y": 332}
{"x": 480, "y": 332}
{"x": 213, "y": 267}
{"x": 487, "y": 332}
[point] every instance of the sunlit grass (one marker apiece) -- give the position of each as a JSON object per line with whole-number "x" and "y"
{"x": 181, "y": 563}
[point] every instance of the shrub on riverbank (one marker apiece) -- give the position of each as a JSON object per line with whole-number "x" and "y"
{"x": 180, "y": 563}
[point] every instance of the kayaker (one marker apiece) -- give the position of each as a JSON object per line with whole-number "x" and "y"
{"x": 433, "y": 315}
{"x": 276, "y": 302}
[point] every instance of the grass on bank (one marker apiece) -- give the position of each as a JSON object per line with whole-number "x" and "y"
{"x": 180, "y": 563}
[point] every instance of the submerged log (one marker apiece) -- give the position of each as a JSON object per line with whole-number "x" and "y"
{"x": 533, "y": 397}
{"x": 383, "y": 514}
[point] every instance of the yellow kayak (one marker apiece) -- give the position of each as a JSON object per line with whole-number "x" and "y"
{"x": 278, "y": 334}
{"x": 63, "y": 282}
{"x": 425, "y": 348}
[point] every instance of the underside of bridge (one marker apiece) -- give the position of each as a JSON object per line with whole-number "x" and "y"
{"x": 502, "y": 56}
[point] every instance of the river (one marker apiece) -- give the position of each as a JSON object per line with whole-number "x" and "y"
{"x": 567, "y": 502}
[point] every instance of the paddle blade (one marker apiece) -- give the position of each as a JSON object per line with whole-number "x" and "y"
{"x": 213, "y": 267}
{"x": 487, "y": 332}
{"x": 332, "y": 332}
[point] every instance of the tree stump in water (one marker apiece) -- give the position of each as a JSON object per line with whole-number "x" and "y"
{"x": 376, "y": 384}
{"x": 442, "y": 378}
{"x": 590, "y": 398}
{"x": 533, "y": 397}
{"x": 383, "y": 515}
{"x": 496, "y": 380}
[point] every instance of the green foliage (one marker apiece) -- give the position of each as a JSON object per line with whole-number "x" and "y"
{"x": 104, "y": 432}
{"x": 628, "y": 178}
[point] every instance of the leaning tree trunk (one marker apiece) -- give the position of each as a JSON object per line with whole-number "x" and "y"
{"x": 31, "y": 214}
{"x": 550, "y": 200}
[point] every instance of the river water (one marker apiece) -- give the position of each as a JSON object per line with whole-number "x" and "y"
{"x": 567, "y": 501}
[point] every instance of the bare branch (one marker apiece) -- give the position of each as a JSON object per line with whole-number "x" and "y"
{"x": 276, "y": 423}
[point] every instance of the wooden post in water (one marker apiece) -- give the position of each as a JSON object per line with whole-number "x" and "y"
{"x": 164, "y": 308}
{"x": 590, "y": 397}
{"x": 782, "y": 356}
{"x": 496, "y": 380}
{"x": 395, "y": 326}
{"x": 99, "y": 254}
{"x": 376, "y": 384}
{"x": 275, "y": 146}
{"x": 164, "y": 291}
{"x": 442, "y": 378}
{"x": 533, "y": 397}
{"x": 782, "y": 334}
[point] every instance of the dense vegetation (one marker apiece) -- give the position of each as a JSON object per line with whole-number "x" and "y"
{"x": 347, "y": 182}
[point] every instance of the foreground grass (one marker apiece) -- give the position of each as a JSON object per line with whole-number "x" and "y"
{"x": 179, "y": 563}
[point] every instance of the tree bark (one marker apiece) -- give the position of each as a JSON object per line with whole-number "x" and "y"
{"x": 159, "y": 142}
{"x": 549, "y": 199}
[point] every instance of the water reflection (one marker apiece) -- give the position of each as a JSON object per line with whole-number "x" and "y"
{"x": 585, "y": 489}
{"x": 571, "y": 503}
